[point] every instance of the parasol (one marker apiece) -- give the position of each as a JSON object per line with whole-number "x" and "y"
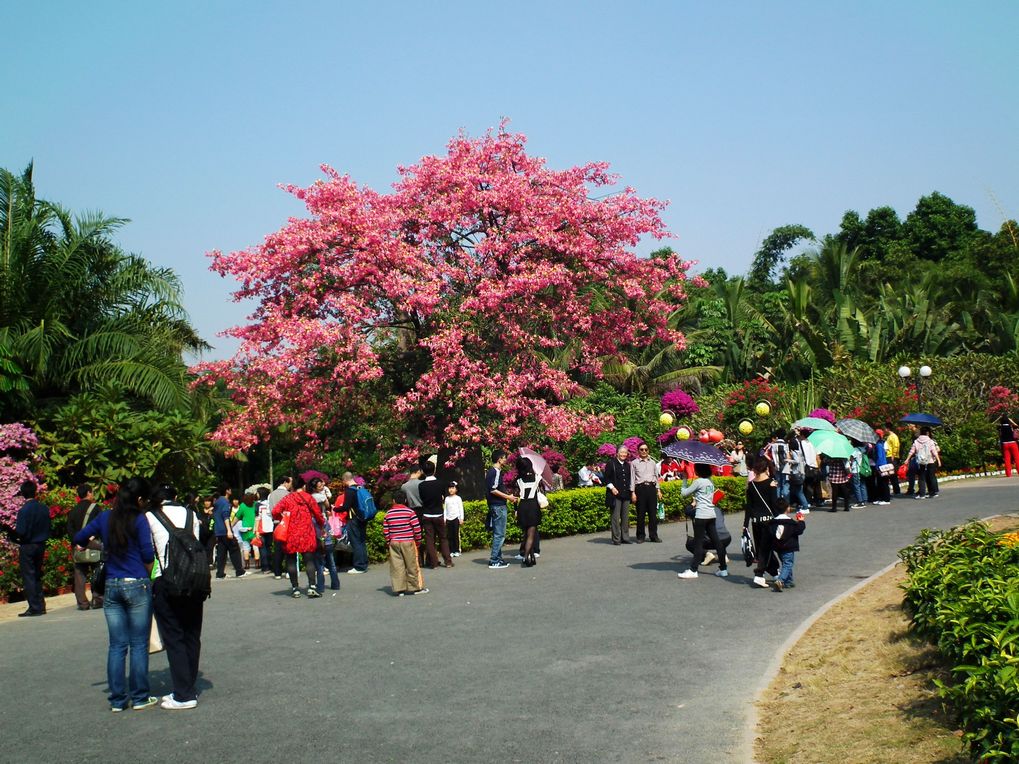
{"x": 696, "y": 452}
{"x": 858, "y": 430}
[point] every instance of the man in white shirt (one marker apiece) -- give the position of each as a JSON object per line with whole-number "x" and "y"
{"x": 587, "y": 477}
{"x": 179, "y": 618}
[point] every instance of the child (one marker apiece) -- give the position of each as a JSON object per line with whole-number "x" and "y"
{"x": 453, "y": 509}
{"x": 402, "y": 532}
{"x": 786, "y": 529}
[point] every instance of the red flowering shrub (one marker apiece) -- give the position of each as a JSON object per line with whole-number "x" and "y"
{"x": 1001, "y": 400}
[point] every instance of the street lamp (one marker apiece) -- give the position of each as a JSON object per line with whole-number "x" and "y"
{"x": 925, "y": 371}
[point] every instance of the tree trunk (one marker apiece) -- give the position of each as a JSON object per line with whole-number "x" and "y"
{"x": 469, "y": 474}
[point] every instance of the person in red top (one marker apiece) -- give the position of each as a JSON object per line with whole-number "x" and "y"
{"x": 301, "y": 536}
{"x": 402, "y": 532}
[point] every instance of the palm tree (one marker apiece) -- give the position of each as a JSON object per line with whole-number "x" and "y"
{"x": 76, "y": 311}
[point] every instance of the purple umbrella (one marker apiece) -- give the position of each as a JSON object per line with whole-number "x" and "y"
{"x": 696, "y": 452}
{"x": 541, "y": 468}
{"x": 306, "y": 476}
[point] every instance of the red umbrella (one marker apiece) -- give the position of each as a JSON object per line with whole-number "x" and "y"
{"x": 541, "y": 468}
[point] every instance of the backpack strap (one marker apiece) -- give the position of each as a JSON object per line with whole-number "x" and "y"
{"x": 88, "y": 513}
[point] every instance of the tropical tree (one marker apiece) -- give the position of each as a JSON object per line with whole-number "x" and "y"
{"x": 77, "y": 312}
{"x": 478, "y": 268}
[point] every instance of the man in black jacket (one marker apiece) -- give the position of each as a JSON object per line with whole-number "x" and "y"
{"x": 33, "y": 531}
{"x": 618, "y": 490}
{"x": 433, "y": 519}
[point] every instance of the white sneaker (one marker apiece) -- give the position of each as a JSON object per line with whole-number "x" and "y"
{"x": 761, "y": 582}
{"x": 722, "y": 573}
{"x": 804, "y": 511}
{"x": 687, "y": 574}
{"x": 454, "y": 554}
{"x": 518, "y": 557}
{"x": 354, "y": 572}
{"x": 709, "y": 558}
{"x": 177, "y": 705}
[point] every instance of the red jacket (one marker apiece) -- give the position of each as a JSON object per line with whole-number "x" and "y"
{"x": 301, "y": 536}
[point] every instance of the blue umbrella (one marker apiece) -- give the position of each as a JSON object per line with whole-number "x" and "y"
{"x": 928, "y": 419}
{"x": 696, "y": 452}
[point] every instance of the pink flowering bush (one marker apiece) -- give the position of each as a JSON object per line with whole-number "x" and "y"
{"x": 679, "y": 403}
{"x": 442, "y": 307}
{"x": 1001, "y": 400}
{"x": 825, "y": 414}
{"x": 668, "y": 436}
{"x": 606, "y": 449}
{"x": 17, "y": 443}
{"x": 632, "y": 444}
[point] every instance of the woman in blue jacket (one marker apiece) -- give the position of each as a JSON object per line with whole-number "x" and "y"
{"x": 127, "y": 603}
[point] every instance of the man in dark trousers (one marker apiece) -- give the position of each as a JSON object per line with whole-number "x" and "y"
{"x": 225, "y": 541}
{"x": 432, "y": 493}
{"x": 646, "y": 492}
{"x": 33, "y": 531}
{"x": 81, "y": 515}
{"x": 618, "y": 492}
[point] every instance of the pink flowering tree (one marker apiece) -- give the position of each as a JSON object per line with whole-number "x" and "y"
{"x": 17, "y": 443}
{"x": 456, "y": 310}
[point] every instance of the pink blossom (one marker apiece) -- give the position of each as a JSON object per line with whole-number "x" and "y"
{"x": 679, "y": 403}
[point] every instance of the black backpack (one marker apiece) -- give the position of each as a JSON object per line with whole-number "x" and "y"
{"x": 187, "y": 563}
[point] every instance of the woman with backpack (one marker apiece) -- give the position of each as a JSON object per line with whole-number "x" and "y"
{"x": 127, "y": 601}
{"x": 928, "y": 459}
{"x": 797, "y": 474}
{"x": 300, "y": 536}
{"x": 178, "y": 615}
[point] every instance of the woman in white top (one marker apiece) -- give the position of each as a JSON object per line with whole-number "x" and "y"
{"x": 703, "y": 492}
{"x": 453, "y": 511}
{"x": 527, "y": 510}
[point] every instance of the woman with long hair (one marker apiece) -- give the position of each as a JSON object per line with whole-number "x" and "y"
{"x": 301, "y": 538}
{"x": 528, "y": 512}
{"x": 760, "y": 508}
{"x": 127, "y": 603}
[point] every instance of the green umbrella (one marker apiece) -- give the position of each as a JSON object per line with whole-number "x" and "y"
{"x": 832, "y": 444}
{"x": 813, "y": 423}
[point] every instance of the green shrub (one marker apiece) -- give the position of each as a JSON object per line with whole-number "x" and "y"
{"x": 962, "y": 592}
{"x": 570, "y": 512}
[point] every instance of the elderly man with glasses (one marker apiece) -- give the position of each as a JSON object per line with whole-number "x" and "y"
{"x": 646, "y": 492}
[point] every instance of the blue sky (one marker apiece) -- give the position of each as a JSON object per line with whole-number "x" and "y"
{"x": 185, "y": 116}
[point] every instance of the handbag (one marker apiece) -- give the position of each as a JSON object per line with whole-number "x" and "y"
{"x": 542, "y": 500}
{"x": 746, "y": 545}
{"x": 661, "y": 510}
{"x": 283, "y": 529}
{"x": 92, "y": 553}
{"x": 886, "y": 469}
{"x": 99, "y": 579}
{"x": 155, "y": 641}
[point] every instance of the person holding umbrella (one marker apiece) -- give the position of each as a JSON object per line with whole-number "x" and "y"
{"x": 703, "y": 491}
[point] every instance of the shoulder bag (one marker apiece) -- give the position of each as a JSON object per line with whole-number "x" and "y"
{"x": 93, "y": 553}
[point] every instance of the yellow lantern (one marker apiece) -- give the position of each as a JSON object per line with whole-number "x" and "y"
{"x": 683, "y": 433}
{"x": 763, "y": 408}
{"x": 666, "y": 419}
{"x": 745, "y": 427}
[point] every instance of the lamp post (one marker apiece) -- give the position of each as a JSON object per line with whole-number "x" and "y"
{"x": 924, "y": 371}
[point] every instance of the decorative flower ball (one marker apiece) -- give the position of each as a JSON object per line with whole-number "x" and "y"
{"x": 683, "y": 433}
{"x": 763, "y": 408}
{"x": 745, "y": 427}
{"x": 666, "y": 419}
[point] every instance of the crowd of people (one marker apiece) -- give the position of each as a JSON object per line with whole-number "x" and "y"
{"x": 150, "y": 546}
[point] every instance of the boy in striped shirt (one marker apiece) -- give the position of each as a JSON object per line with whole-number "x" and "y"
{"x": 402, "y": 532}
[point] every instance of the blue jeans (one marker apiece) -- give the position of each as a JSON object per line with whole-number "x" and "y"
{"x": 329, "y": 563}
{"x": 355, "y": 535}
{"x": 796, "y": 493}
{"x": 498, "y": 530}
{"x": 785, "y": 573}
{"x": 859, "y": 489}
{"x": 127, "y": 606}
{"x": 782, "y": 489}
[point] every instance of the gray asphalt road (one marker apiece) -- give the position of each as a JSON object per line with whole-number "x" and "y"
{"x": 597, "y": 654}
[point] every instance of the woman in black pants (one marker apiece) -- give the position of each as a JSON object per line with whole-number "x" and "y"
{"x": 760, "y": 508}
{"x": 839, "y": 477}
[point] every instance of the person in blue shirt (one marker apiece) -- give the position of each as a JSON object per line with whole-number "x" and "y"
{"x": 127, "y": 601}
{"x": 225, "y": 541}
{"x": 32, "y": 530}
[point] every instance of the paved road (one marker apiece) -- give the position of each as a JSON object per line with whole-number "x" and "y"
{"x": 598, "y": 654}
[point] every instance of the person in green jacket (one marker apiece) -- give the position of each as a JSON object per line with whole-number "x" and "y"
{"x": 244, "y": 525}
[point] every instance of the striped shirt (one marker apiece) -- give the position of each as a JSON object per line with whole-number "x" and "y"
{"x": 401, "y": 525}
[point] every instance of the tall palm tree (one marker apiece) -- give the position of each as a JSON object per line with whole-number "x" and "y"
{"x": 76, "y": 311}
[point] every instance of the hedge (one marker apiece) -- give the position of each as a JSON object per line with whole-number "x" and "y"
{"x": 962, "y": 593}
{"x": 570, "y": 512}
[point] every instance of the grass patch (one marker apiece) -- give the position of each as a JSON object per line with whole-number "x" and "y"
{"x": 857, "y": 687}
